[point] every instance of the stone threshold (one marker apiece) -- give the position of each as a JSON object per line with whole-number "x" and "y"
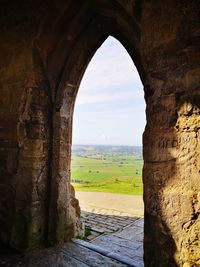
{"x": 106, "y": 253}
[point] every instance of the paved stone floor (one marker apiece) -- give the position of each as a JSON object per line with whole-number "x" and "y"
{"x": 102, "y": 223}
{"x": 70, "y": 255}
{"x": 114, "y": 241}
{"x": 119, "y": 237}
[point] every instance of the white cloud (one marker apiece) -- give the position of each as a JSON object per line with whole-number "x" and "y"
{"x": 109, "y": 75}
{"x": 104, "y": 137}
{"x": 108, "y": 96}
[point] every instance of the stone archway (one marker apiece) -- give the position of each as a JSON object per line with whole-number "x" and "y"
{"x": 46, "y": 48}
{"x": 84, "y": 47}
{"x": 71, "y": 90}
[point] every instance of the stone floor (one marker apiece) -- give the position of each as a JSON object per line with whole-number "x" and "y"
{"x": 104, "y": 224}
{"x": 70, "y": 255}
{"x": 123, "y": 242}
{"x": 114, "y": 241}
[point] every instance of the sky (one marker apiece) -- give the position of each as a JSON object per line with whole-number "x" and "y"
{"x": 110, "y": 106}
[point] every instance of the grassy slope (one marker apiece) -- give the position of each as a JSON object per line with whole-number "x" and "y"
{"x": 108, "y": 173}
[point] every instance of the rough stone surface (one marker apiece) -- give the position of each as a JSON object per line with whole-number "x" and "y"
{"x": 45, "y": 48}
{"x": 70, "y": 255}
{"x": 103, "y": 223}
{"x": 127, "y": 241}
{"x": 122, "y": 248}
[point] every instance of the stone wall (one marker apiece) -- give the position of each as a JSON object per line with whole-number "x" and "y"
{"x": 171, "y": 139}
{"x": 24, "y": 134}
{"x": 46, "y": 47}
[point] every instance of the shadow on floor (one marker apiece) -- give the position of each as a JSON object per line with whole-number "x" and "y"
{"x": 119, "y": 244}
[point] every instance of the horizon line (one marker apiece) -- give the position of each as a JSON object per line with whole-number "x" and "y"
{"x": 75, "y": 144}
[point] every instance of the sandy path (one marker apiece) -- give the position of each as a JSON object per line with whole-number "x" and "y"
{"x": 109, "y": 203}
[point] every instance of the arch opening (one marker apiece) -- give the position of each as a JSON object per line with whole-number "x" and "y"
{"x": 72, "y": 72}
{"x": 107, "y": 159}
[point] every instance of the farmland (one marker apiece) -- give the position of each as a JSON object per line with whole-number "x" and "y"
{"x": 107, "y": 169}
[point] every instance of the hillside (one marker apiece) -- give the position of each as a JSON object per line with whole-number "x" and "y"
{"x": 114, "y": 169}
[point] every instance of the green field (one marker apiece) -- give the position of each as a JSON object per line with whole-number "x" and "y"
{"x": 108, "y": 172}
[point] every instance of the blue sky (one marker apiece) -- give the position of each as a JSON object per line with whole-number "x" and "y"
{"x": 110, "y": 107}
